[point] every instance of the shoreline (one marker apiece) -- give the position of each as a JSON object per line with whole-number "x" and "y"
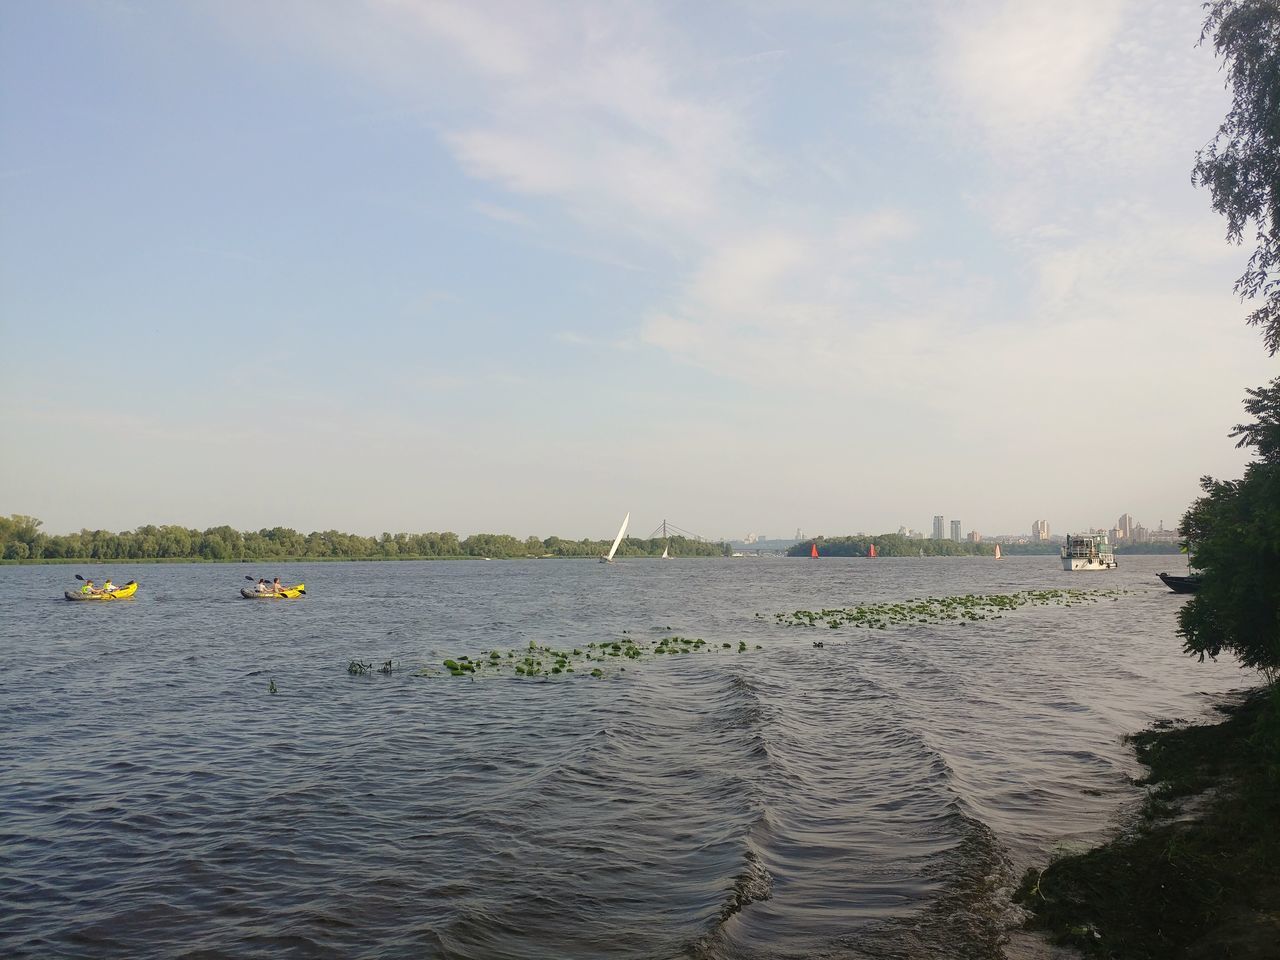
{"x": 64, "y": 561}
{"x": 1196, "y": 875}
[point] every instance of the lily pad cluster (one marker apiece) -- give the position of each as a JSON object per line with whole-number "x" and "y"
{"x": 593, "y": 659}
{"x": 937, "y": 610}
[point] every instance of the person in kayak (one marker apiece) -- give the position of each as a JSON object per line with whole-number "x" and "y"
{"x": 88, "y": 587}
{"x": 107, "y": 586}
{"x": 277, "y": 587}
{"x": 261, "y": 586}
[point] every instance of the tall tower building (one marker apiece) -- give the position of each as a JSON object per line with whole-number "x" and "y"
{"x": 938, "y": 531}
{"x": 1124, "y": 526}
{"x": 955, "y": 531}
{"x": 1040, "y": 530}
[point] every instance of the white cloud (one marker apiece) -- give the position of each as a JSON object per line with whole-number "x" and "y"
{"x": 1025, "y": 63}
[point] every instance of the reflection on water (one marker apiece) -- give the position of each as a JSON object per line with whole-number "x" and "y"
{"x": 871, "y": 798}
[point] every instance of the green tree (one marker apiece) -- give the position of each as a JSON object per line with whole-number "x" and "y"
{"x": 1241, "y": 165}
{"x": 1234, "y": 531}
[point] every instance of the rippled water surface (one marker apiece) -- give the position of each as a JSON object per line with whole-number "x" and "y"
{"x": 869, "y": 798}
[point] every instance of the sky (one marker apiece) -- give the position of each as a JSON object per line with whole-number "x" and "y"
{"x": 523, "y": 267}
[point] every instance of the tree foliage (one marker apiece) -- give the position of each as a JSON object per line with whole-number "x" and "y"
{"x": 1241, "y": 165}
{"x": 21, "y": 539}
{"x": 890, "y": 545}
{"x": 1234, "y": 532}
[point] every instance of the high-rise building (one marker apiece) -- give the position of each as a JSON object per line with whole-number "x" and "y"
{"x": 939, "y": 528}
{"x": 955, "y": 531}
{"x": 1124, "y": 526}
{"x": 1040, "y": 530}
{"x": 975, "y": 536}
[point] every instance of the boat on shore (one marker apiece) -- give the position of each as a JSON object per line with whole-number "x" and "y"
{"x": 123, "y": 593}
{"x": 289, "y": 593}
{"x": 1089, "y": 551}
{"x": 1187, "y": 584}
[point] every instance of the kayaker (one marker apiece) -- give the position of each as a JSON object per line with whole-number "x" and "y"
{"x": 88, "y": 587}
{"x": 277, "y": 587}
{"x": 261, "y": 586}
{"x": 107, "y": 586}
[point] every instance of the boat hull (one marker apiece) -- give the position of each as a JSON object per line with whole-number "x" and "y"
{"x": 124, "y": 593}
{"x": 1078, "y": 563}
{"x": 1180, "y": 584}
{"x": 292, "y": 593}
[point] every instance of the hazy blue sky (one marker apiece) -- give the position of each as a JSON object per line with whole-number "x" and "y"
{"x": 525, "y": 266}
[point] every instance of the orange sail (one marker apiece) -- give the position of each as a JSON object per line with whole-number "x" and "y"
{"x": 872, "y": 551}
{"x": 998, "y": 557}
{"x": 815, "y": 551}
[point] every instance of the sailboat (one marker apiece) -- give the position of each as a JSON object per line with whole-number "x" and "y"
{"x": 666, "y": 542}
{"x": 998, "y": 557}
{"x": 665, "y": 554}
{"x": 608, "y": 558}
{"x": 872, "y": 552}
{"x": 814, "y": 553}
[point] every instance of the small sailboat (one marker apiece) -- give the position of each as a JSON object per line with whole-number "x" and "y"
{"x": 814, "y": 552}
{"x": 998, "y": 557}
{"x": 608, "y": 558}
{"x": 666, "y": 555}
{"x": 872, "y": 552}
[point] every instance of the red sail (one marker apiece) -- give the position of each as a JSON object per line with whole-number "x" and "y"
{"x": 872, "y": 551}
{"x": 815, "y": 551}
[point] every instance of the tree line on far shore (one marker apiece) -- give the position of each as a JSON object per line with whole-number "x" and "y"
{"x": 896, "y": 545}
{"x": 22, "y": 540}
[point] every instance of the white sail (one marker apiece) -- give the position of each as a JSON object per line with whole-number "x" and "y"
{"x": 618, "y": 539}
{"x": 665, "y": 554}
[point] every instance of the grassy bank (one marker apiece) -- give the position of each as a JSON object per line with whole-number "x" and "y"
{"x": 1198, "y": 875}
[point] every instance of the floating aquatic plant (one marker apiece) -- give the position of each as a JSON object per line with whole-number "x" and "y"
{"x": 934, "y": 610}
{"x": 537, "y": 660}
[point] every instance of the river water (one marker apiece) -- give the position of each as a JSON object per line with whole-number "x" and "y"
{"x": 874, "y": 797}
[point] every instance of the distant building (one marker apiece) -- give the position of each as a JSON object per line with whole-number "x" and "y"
{"x": 975, "y": 536}
{"x": 1124, "y": 527}
{"x": 955, "y": 531}
{"x": 939, "y": 524}
{"x": 1040, "y": 530}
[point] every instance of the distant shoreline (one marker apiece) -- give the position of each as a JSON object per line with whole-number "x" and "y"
{"x": 63, "y": 561}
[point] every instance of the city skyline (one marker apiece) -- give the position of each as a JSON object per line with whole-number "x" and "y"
{"x": 528, "y": 266}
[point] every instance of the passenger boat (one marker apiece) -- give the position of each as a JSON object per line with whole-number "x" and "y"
{"x": 289, "y": 593}
{"x": 1090, "y": 551}
{"x": 120, "y": 593}
{"x": 1187, "y": 584}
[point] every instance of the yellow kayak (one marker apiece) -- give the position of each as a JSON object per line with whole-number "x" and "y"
{"x": 120, "y": 593}
{"x": 289, "y": 593}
